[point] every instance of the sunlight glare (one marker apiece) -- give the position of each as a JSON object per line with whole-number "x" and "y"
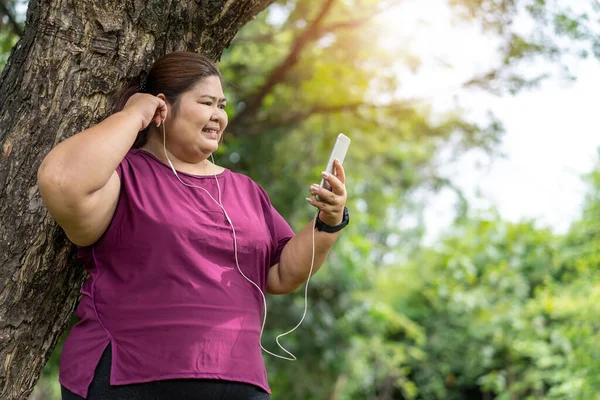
{"x": 450, "y": 52}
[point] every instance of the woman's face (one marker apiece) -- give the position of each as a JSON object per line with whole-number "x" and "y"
{"x": 195, "y": 131}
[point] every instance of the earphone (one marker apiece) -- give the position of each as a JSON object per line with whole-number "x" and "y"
{"x": 312, "y": 263}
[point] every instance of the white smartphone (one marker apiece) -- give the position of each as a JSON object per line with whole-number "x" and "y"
{"x": 339, "y": 151}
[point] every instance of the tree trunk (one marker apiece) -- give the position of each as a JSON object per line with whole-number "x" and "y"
{"x": 74, "y": 55}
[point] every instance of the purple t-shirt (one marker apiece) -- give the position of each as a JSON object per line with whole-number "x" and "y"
{"x": 164, "y": 288}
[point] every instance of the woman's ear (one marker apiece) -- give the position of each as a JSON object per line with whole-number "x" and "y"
{"x": 164, "y": 98}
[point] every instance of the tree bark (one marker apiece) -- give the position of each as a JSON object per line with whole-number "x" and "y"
{"x": 73, "y": 57}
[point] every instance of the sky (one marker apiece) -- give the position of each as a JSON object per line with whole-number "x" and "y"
{"x": 551, "y": 137}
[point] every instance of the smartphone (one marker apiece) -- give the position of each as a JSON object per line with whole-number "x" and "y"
{"x": 339, "y": 151}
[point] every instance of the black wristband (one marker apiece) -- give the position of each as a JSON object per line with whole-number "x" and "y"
{"x": 323, "y": 227}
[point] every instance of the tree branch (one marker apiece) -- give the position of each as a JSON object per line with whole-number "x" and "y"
{"x": 313, "y": 32}
{"x": 4, "y": 10}
{"x": 299, "y": 116}
{"x": 278, "y": 74}
{"x": 353, "y": 23}
{"x": 398, "y": 106}
{"x": 267, "y": 37}
{"x": 295, "y": 117}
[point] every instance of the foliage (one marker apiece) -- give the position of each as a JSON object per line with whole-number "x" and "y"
{"x": 533, "y": 30}
{"x": 509, "y": 311}
{"x": 12, "y": 19}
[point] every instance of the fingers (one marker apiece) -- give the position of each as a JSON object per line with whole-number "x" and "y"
{"x": 326, "y": 198}
{"x": 337, "y": 194}
{"x": 325, "y": 195}
{"x": 323, "y": 206}
{"x": 330, "y": 203}
{"x": 338, "y": 171}
{"x": 161, "y": 112}
{"x": 329, "y": 214}
{"x": 336, "y": 182}
{"x": 163, "y": 109}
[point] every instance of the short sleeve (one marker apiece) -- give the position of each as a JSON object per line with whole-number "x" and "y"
{"x": 122, "y": 165}
{"x": 119, "y": 171}
{"x": 281, "y": 233}
{"x": 280, "y": 230}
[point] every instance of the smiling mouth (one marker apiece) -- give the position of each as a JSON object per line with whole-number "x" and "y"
{"x": 213, "y": 131}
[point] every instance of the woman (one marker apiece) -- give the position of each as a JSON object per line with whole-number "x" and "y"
{"x": 177, "y": 247}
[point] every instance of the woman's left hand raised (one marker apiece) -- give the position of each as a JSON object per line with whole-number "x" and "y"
{"x": 331, "y": 203}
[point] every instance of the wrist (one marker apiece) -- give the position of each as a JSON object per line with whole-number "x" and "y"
{"x": 322, "y": 226}
{"x": 133, "y": 118}
{"x": 330, "y": 221}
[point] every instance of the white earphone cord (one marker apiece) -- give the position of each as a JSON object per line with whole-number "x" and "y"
{"x": 312, "y": 262}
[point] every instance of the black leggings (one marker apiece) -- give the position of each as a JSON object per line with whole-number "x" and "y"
{"x": 171, "y": 389}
